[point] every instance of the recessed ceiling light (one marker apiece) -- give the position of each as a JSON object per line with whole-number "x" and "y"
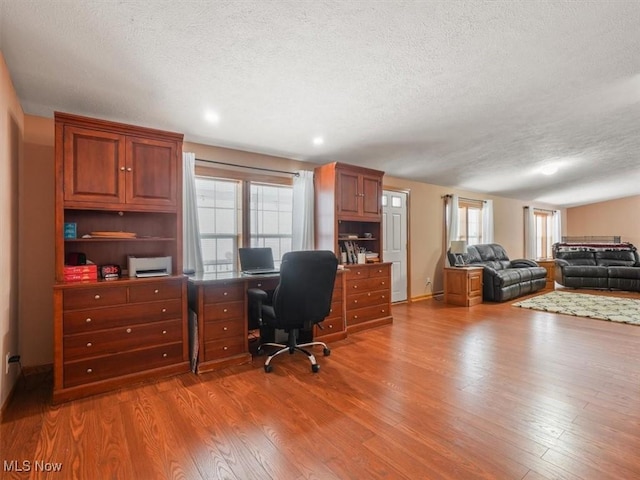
{"x": 212, "y": 117}
{"x": 549, "y": 169}
{"x": 318, "y": 141}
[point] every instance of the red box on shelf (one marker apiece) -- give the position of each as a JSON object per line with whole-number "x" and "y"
{"x": 81, "y": 270}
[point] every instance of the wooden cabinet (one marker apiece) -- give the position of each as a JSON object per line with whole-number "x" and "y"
{"x": 359, "y": 195}
{"x": 368, "y": 296}
{"x": 334, "y": 326}
{"x": 349, "y": 214}
{"x": 550, "y": 265}
{"x": 105, "y": 167}
{"x": 112, "y": 177}
{"x": 463, "y": 285}
{"x": 109, "y": 334}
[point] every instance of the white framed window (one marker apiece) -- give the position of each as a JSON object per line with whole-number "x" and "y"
{"x": 271, "y": 218}
{"x": 470, "y": 221}
{"x": 544, "y": 233}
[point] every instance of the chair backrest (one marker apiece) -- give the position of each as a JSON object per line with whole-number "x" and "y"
{"x": 303, "y": 296}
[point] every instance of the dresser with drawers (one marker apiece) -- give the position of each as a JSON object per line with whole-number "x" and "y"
{"x": 368, "y": 296}
{"x": 114, "y": 333}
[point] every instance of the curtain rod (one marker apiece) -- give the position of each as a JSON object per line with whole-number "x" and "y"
{"x": 542, "y": 209}
{"x": 449, "y": 195}
{"x": 295, "y": 174}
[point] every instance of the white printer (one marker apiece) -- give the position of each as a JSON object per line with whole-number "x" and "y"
{"x": 142, "y": 267}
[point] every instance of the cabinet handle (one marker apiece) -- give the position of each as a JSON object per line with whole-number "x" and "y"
{"x": 156, "y": 291}
{"x": 331, "y": 310}
{"x": 359, "y": 273}
{"x": 330, "y": 327}
{"x": 89, "y": 344}
{"x": 164, "y": 355}
{"x": 225, "y": 348}
{"x": 368, "y": 294}
{"x": 88, "y": 320}
{"x": 89, "y": 370}
{"x": 164, "y": 332}
{"x": 225, "y": 310}
{"x": 355, "y": 301}
{"x": 224, "y": 329}
{"x": 355, "y": 317}
{"x": 97, "y": 297}
{"x": 128, "y": 330}
{"x": 259, "y": 284}
{"x": 382, "y": 310}
{"x": 122, "y": 169}
{"x": 381, "y": 283}
{"x": 355, "y": 286}
{"x": 225, "y": 294}
{"x": 164, "y": 310}
{"x": 129, "y": 169}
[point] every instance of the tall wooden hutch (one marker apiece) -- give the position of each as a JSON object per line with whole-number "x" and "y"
{"x": 124, "y": 182}
{"x": 349, "y": 213}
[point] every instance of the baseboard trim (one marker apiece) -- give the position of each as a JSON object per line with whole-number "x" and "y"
{"x": 36, "y": 369}
{"x": 427, "y": 296}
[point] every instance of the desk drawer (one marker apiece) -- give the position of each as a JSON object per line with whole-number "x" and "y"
{"x": 224, "y": 348}
{"x": 267, "y": 283}
{"x": 379, "y": 270}
{"x": 76, "y": 298}
{"x": 330, "y": 325}
{"x": 360, "y": 315}
{"x": 360, "y": 300}
{"x": 150, "y": 292}
{"x": 110, "y": 366}
{"x": 219, "y": 329}
{"x": 366, "y": 285}
{"x": 219, "y": 311}
{"x": 102, "y": 318}
{"x": 121, "y": 339}
{"x": 224, "y": 293}
{"x": 357, "y": 272}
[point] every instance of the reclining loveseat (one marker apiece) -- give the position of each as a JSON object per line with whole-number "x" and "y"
{"x": 614, "y": 266}
{"x": 503, "y": 279}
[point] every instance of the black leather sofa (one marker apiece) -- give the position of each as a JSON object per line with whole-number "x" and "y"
{"x": 614, "y": 266}
{"x": 503, "y": 279}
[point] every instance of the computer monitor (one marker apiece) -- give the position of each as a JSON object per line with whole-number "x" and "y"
{"x": 256, "y": 260}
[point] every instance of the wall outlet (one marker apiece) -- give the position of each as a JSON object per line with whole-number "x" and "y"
{"x": 428, "y": 280}
{"x": 6, "y": 364}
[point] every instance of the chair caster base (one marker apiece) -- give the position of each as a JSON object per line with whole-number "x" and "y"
{"x": 326, "y": 352}
{"x": 315, "y": 368}
{"x": 268, "y": 368}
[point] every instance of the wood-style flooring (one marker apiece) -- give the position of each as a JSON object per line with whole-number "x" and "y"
{"x": 492, "y": 392}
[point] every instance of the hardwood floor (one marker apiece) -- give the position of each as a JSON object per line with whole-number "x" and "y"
{"x": 492, "y": 391}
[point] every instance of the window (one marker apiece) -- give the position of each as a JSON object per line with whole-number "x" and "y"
{"x": 544, "y": 233}
{"x": 219, "y": 217}
{"x": 271, "y": 222}
{"x": 265, "y": 216}
{"x": 470, "y": 221}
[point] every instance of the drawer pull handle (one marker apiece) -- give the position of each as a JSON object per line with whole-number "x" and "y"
{"x": 330, "y": 327}
{"x": 382, "y": 310}
{"x": 331, "y": 310}
{"x": 381, "y": 283}
{"x": 355, "y": 286}
{"x": 89, "y": 344}
{"x": 164, "y": 355}
{"x": 164, "y": 310}
{"x": 369, "y": 294}
{"x": 379, "y": 271}
{"x": 156, "y": 291}
{"x": 164, "y": 332}
{"x": 225, "y": 310}
{"x": 359, "y": 273}
{"x": 129, "y": 169}
{"x": 355, "y": 301}
{"x": 88, "y": 320}
{"x": 225, "y": 294}
{"x": 224, "y": 329}
{"x": 97, "y": 297}
{"x": 382, "y": 296}
{"x": 355, "y": 317}
{"x": 89, "y": 370}
{"x": 259, "y": 284}
{"x": 128, "y": 330}
{"x": 225, "y": 348}
{"x": 122, "y": 169}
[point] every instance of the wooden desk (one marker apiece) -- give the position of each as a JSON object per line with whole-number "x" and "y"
{"x": 219, "y": 337}
{"x": 463, "y": 285}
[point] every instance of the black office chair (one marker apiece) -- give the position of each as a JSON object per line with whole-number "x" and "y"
{"x": 301, "y": 300}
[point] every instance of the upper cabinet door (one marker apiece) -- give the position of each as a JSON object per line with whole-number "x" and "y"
{"x": 151, "y": 172}
{"x": 94, "y": 166}
{"x": 372, "y": 196}
{"x": 348, "y": 193}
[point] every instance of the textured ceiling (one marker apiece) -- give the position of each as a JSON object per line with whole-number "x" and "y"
{"x": 468, "y": 94}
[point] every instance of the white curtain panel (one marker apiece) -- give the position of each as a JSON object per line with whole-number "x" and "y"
{"x": 451, "y": 221}
{"x": 529, "y": 233}
{"x": 192, "y": 259}
{"x": 487, "y": 221}
{"x": 557, "y": 226}
{"x": 303, "y": 206}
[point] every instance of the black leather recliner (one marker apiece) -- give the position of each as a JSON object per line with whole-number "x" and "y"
{"x": 503, "y": 279}
{"x": 600, "y": 266}
{"x": 301, "y": 300}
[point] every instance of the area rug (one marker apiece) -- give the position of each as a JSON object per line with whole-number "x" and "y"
{"x": 616, "y": 309}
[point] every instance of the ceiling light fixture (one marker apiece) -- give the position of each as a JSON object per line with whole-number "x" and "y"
{"x": 549, "y": 169}
{"x": 317, "y": 141}
{"x": 212, "y": 117}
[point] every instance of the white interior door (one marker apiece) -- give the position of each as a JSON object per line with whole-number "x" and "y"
{"x": 394, "y": 231}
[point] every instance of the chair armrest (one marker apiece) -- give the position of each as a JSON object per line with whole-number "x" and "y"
{"x": 561, "y": 262}
{"x": 257, "y": 295}
{"x": 523, "y": 263}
